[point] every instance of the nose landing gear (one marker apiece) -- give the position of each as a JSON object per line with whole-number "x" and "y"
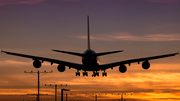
{"x": 95, "y": 74}
{"x": 85, "y": 73}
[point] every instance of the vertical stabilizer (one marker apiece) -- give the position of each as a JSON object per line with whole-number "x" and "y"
{"x": 88, "y": 32}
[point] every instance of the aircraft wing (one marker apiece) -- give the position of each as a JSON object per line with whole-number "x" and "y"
{"x": 111, "y": 65}
{"x": 69, "y": 64}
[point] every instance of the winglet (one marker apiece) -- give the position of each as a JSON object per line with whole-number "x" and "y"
{"x": 1, "y": 51}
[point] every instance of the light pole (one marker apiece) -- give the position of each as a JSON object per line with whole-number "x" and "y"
{"x": 43, "y": 73}
{"x": 124, "y": 94}
{"x": 96, "y": 95}
{"x": 68, "y": 94}
{"x": 62, "y": 93}
{"x": 55, "y": 89}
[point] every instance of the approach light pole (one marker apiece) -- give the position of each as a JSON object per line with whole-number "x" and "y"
{"x": 96, "y": 95}
{"x": 55, "y": 89}
{"x": 68, "y": 94}
{"x": 43, "y": 73}
{"x": 62, "y": 93}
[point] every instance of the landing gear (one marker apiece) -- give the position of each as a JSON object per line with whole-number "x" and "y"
{"x": 77, "y": 73}
{"x": 104, "y": 74}
{"x": 85, "y": 73}
{"x": 95, "y": 74}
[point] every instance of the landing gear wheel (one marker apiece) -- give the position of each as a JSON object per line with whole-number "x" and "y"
{"x": 104, "y": 74}
{"x": 97, "y": 74}
{"x": 77, "y": 73}
{"x": 85, "y": 74}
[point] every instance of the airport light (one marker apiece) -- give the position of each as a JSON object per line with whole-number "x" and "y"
{"x": 96, "y": 95}
{"x": 123, "y": 95}
{"x": 62, "y": 90}
{"x": 69, "y": 94}
{"x": 38, "y": 75}
{"x": 100, "y": 94}
{"x": 55, "y": 89}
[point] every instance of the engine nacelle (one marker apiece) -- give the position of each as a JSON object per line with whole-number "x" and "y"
{"x": 37, "y": 64}
{"x": 122, "y": 68}
{"x": 61, "y": 68}
{"x": 145, "y": 65}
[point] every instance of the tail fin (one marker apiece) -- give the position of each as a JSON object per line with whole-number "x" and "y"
{"x": 88, "y": 32}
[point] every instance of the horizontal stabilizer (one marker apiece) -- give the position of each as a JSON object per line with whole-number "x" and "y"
{"x": 106, "y": 53}
{"x": 72, "y": 53}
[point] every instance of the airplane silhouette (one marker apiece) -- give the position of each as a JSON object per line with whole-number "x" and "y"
{"x": 90, "y": 60}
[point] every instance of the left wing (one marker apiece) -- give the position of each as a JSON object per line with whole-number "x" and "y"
{"x": 69, "y": 64}
{"x": 111, "y": 65}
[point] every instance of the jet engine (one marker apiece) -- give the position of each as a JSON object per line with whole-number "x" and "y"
{"x": 145, "y": 65}
{"x": 122, "y": 68}
{"x": 61, "y": 68}
{"x": 37, "y": 64}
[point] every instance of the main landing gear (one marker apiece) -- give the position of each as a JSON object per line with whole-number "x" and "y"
{"x": 95, "y": 74}
{"x": 84, "y": 73}
{"x": 104, "y": 73}
{"x": 77, "y": 73}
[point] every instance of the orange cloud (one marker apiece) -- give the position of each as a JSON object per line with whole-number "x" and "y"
{"x": 158, "y": 83}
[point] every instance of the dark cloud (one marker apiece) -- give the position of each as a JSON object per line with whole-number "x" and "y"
{"x": 9, "y": 2}
{"x": 164, "y": 1}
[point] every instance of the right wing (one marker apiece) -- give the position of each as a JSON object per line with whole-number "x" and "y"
{"x": 111, "y": 65}
{"x": 69, "y": 64}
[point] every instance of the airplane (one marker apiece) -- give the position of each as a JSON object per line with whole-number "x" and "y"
{"x": 90, "y": 60}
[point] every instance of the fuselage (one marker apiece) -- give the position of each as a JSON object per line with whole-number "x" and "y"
{"x": 90, "y": 61}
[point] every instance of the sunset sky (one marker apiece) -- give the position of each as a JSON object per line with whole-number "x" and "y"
{"x": 141, "y": 28}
